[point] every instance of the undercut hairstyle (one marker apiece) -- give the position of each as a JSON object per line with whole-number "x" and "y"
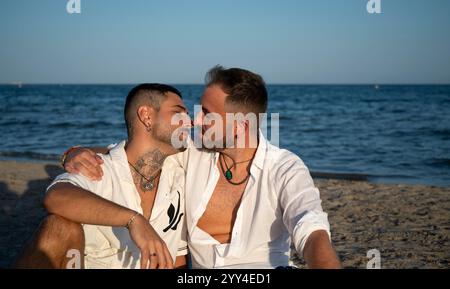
{"x": 151, "y": 94}
{"x": 245, "y": 89}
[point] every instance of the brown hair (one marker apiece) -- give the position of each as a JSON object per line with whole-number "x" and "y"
{"x": 244, "y": 88}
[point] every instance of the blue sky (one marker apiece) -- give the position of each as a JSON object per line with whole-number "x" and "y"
{"x": 177, "y": 41}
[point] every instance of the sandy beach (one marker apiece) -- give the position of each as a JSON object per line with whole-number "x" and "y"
{"x": 408, "y": 224}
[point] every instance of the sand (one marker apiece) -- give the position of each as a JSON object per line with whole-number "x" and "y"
{"x": 408, "y": 224}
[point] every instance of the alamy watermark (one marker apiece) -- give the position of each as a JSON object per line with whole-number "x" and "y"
{"x": 74, "y": 259}
{"x": 374, "y": 7}
{"x": 73, "y": 7}
{"x": 374, "y": 259}
{"x": 235, "y": 130}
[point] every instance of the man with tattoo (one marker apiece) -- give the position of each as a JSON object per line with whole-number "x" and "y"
{"x": 245, "y": 205}
{"x": 131, "y": 217}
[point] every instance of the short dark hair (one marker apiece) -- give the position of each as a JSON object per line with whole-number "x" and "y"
{"x": 152, "y": 94}
{"x": 244, "y": 88}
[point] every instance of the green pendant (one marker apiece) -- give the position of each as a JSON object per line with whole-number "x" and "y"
{"x": 228, "y": 175}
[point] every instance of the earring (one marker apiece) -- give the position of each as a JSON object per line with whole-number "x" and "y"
{"x": 149, "y": 127}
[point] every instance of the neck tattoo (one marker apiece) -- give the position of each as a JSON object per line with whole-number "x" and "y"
{"x": 147, "y": 169}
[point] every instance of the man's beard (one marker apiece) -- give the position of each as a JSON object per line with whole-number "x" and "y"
{"x": 217, "y": 145}
{"x": 163, "y": 133}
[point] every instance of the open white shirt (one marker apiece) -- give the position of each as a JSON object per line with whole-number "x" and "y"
{"x": 112, "y": 247}
{"x": 280, "y": 204}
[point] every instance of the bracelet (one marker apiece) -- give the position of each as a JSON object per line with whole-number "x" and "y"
{"x": 66, "y": 153}
{"x": 131, "y": 220}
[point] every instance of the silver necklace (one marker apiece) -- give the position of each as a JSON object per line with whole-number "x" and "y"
{"x": 148, "y": 185}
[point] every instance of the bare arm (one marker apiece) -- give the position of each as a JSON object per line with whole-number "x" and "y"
{"x": 82, "y": 206}
{"x": 319, "y": 253}
{"x": 87, "y": 162}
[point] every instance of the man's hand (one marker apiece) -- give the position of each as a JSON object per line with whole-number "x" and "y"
{"x": 154, "y": 252}
{"x": 86, "y": 162}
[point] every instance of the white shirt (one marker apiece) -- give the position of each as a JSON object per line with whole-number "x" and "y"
{"x": 280, "y": 204}
{"x": 112, "y": 247}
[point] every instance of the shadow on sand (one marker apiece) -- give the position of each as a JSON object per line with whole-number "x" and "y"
{"x": 20, "y": 215}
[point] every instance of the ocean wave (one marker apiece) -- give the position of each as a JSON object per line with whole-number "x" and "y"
{"x": 77, "y": 125}
{"x": 437, "y": 162}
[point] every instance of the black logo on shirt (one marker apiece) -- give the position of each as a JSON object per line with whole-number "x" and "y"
{"x": 174, "y": 216}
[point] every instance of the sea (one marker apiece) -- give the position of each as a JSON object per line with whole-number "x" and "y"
{"x": 379, "y": 133}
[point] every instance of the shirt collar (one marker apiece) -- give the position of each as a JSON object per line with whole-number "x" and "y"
{"x": 120, "y": 159}
{"x": 260, "y": 154}
{"x": 261, "y": 151}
